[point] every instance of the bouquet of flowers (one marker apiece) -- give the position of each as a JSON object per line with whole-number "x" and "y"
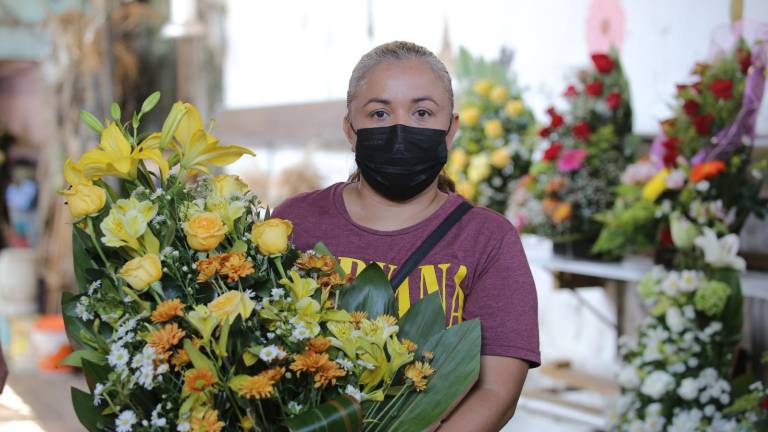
{"x": 195, "y": 312}
{"x": 677, "y": 375}
{"x": 699, "y": 168}
{"x": 495, "y": 140}
{"x": 582, "y": 158}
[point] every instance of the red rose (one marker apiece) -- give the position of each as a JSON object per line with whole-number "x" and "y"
{"x": 666, "y": 237}
{"x": 571, "y": 91}
{"x": 553, "y": 151}
{"x": 603, "y": 63}
{"x": 671, "y": 151}
{"x": 581, "y": 130}
{"x": 691, "y": 107}
{"x": 544, "y": 132}
{"x": 556, "y": 119}
{"x": 703, "y": 124}
{"x": 745, "y": 59}
{"x": 594, "y": 89}
{"x": 722, "y": 89}
{"x": 764, "y": 404}
{"x": 613, "y": 100}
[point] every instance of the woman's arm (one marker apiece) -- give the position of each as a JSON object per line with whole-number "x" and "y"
{"x": 493, "y": 400}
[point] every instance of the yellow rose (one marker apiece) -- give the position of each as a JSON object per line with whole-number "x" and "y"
{"x": 482, "y": 87}
{"x": 499, "y": 94}
{"x": 226, "y": 185}
{"x": 466, "y": 189}
{"x": 457, "y": 160}
{"x": 493, "y": 129}
{"x": 205, "y": 231}
{"x": 655, "y": 186}
{"x": 500, "y": 158}
{"x": 469, "y": 116}
{"x": 271, "y": 236}
{"x": 230, "y": 305}
{"x": 84, "y": 200}
{"x": 514, "y": 108}
{"x": 479, "y": 168}
{"x": 142, "y": 271}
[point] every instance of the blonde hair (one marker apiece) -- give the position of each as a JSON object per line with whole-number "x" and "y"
{"x": 397, "y": 50}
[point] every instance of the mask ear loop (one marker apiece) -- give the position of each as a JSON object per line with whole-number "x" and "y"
{"x": 350, "y": 125}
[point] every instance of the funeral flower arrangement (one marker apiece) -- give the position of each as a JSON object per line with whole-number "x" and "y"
{"x": 495, "y": 140}
{"x": 699, "y": 170}
{"x": 584, "y": 151}
{"x": 196, "y": 313}
{"x": 678, "y": 374}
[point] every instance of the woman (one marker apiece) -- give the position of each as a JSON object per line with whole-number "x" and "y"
{"x": 400, "y": 122}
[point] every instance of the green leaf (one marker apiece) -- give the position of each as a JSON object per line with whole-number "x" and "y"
{"x": 114, "y": 110}
{"x": 733, "y": 310}
{"x": 150, "y": 102}
{"x": 81, "y": 243}
{"x": 95, "y": 373}
{"x": 72, "y": 324}
{"x": 457, "y": 366}
{"x": 75, "y": 358}
{"x": 151, "y": 243}
{"x": 239, "y": 246}
{"x": 423, "y": 321}
{"x": 89, "y": 415}
{"x": 339, "y": 414}
{"x": 91, "y": 121}
{"x": 199, "y": 360}
{"x": 370, "y": 292}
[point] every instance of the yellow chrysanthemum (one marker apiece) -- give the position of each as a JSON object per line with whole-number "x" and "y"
{"x": 358, "y": 317}
{"x": 167, "y": 310}
{"x": 418, "y": 373}
{"x": 409, "y": 345}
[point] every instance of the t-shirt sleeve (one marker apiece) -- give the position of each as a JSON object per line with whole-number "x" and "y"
{"x": 503, "y": 297}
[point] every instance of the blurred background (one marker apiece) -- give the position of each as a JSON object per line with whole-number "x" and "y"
{"x": 274, "y": 76}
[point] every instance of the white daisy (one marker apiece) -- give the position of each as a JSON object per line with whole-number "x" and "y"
{"x": 125, "y": 421}
{"x": 354, "y": 392}
{"x": 118, "y": 357}
{"x": 271, "y": 352}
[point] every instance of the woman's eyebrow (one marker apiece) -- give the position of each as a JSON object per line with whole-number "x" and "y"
{"x": 424, "y": 98}
{"x": 378, "y": 100}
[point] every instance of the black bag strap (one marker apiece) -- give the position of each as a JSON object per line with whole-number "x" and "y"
{"x": 429, "y": 243}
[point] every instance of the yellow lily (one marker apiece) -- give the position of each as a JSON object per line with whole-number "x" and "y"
{"x": 114, "y": 156}
{"x": 300, "y": 287}
{"x": 398, "y": 354}
{"x": 197, "y": 148}
{"x": 126, "y": 222}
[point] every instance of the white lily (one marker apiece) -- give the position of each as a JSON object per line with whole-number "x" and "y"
{"x": 720, "y": 252}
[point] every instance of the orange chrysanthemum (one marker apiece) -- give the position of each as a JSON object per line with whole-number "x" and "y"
{"x": 310, "y": 261}
{"x": 318, "y": 344}
{"x": 235, "y": 266}
{"x": 273, "y": 374}
{"x": 164, "y": 339}
{"x": 333, "y": 279}
{"x": 409, "y": 345}
{"x": 418, "y": 373}
{"x": 179, "y": 359}
{"x": 706, "y": 170}
{"x": 198, "y": 380}
{"x": 207, "y": 268}
{"x": 258, "y": 387}
{"x": 166, "y": 310}
{"x": 208, "y": 422}
{"x": 308, "y": 361}
{"x": 327, "y": 374}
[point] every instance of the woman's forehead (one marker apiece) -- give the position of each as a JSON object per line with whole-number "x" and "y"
{"x": 401, "y": 81}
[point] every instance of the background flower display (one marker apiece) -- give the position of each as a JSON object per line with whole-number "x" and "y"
{"x": 495, "y": 140}
{"x": 195, "y": 312}
{"x": 699, "y": 169}
{"x": 583, "y": 152}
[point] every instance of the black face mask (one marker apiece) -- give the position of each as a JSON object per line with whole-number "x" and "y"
{"x": 400, "y": 161}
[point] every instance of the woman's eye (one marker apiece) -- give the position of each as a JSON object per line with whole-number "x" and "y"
{"x": 422, "y": 113}
{"x": 379, "y": 114}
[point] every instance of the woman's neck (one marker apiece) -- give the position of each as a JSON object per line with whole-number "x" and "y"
{"x": 371, "y": 210}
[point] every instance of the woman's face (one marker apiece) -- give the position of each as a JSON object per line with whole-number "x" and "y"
{"x": 401, "y": 92}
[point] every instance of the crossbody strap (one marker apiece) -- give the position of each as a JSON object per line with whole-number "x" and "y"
{"x": 429, "y": 243}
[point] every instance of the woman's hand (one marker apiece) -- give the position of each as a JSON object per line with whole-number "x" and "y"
{"x": 493, "y": 400}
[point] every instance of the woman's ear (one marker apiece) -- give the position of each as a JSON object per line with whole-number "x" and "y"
{"x": 452, "y": 131}
{"x": 348, "y": 132}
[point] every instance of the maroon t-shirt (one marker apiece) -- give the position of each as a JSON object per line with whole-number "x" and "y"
{"x": 479, "y": 267}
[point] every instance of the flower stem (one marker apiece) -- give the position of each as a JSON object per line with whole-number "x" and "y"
{"x": 92, "y": 235}
{"x": 279, "y": 264}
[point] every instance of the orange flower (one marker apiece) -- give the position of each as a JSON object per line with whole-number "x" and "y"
{"x": 562, "y": 213}
{"x": 258, "y": 387}
{"x": 198, "y": 380}
{"x": 308, "y": 361}
{"x": 334, "y": 279}
{"x": 179, "y": 359}
{"x": 274, "y": 374}
{"x": 555, "y": 185}
{"x": 208, "y": 422}
{"x": 166, "y": 338}
{"x": 706, "y": 170}
{"x": 548, "y": 206}
{"x": 235, "y": 265}
{"x": 318, "y": 344}
{"x": 409, "y": 345}
{"x": 418, "y": 373}
{"x": 166, "y": 310}
{"x": 327, "y": 374}
{"x": 207, "y": 268}
{"x": 310, "y": 261}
